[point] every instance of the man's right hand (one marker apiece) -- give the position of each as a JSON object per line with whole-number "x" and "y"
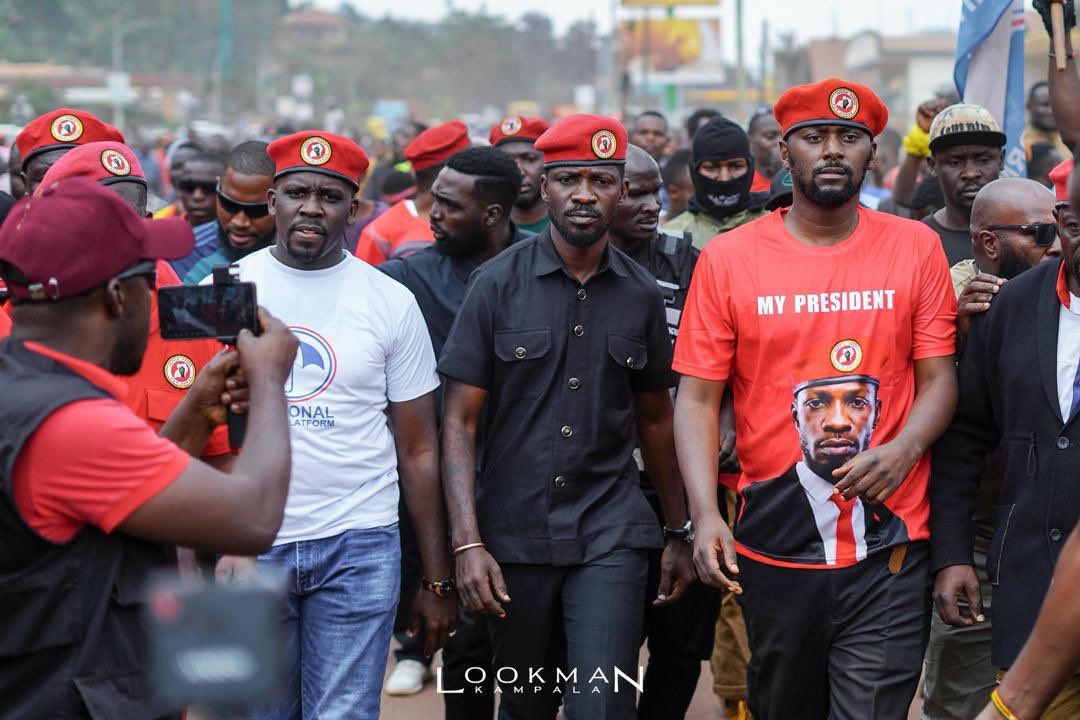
{"x": 974, "y": 299}
{"x": 1043, "y": 8}
{"x": 952, "y": 583}
{"x": 713, "y": 543}
{"x": 269, "y": 355}
{"x": 480, "y": 583}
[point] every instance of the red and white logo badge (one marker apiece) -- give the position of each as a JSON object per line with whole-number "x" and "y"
{"x": 180, "y": 371}
{"x": 604, "y": 144}
{"x": 115, "y": 162}
{"x": 844, "y": 103}
{"x": 511, "y": 125}
{"x": 846, "y": 355}
{"x": 67, "y": 128}
{"x": 315, "y": 151}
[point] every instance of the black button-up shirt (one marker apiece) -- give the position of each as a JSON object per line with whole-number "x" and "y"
{"x": 438, "y": 282}
{"x": 561, "y": 362}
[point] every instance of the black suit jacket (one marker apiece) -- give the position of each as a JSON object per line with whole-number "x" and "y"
{"x": 1008, "y": 396}
{"x": 777, "y": 521}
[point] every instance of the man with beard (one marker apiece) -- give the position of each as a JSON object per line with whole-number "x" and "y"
{"x": 404, "y": 229}
{"x": 364, "y": 358}
{"x": 47, "y": 137}
{"x": 516, "y": 136}
{"x": 680, "y": 637}
{"x": 470, "y": 219}
{"x": 764, "y": 133}
{"x": 93, "y": 499}
{"x": 243, "y": 222}
{"x": 1012, "y": 230}
{"x": 965, "y": 154}
{"x": 722, "y": 170}
{"x": 1018, "y": 392}
{"x": 560, "y": 350}
{"x": 849, "y": 307}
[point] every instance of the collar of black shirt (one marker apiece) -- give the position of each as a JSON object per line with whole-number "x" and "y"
{"x": 548, "y": 259}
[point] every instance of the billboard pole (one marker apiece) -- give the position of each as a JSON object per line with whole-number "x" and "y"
{"x": 740, "y": 66}
{"x": 646, "y": 52}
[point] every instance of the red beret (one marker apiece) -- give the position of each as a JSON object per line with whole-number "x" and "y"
{"x": 584, "y": 139}
{"x": 850, "y": 357}
{"x": 516, "y": 127}
{"x": 105, "y": 162}
{"x": 1060, "y": 177}
{"x": 317, "y": 151}
{"x": 831, "y": 102}
{"x": 63, "y": 128}
{"x": 433, "y": 146}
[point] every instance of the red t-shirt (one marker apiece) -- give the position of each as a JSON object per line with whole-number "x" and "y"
{"x": 92, "y": 462}
{"x": 818, "y": 344}
{"x": 5, "y": 324}
{"x": 168, "y": 369}
{"x": 398, "y": 232}
{"x": 761, "y": 183}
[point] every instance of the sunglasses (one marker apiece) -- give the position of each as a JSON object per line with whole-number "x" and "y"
{"x": 189, "y": 186}
{"x": 254, "y": 211}
{"x": 146, "y": 268}
{"x": 1044, "y": 233}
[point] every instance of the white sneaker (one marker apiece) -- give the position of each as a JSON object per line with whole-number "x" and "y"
{"x": 408, "y": 678}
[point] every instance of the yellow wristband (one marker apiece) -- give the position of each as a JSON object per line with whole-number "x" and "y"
{"x": 1001, "y": 707}
{"x": 917, "y": 142}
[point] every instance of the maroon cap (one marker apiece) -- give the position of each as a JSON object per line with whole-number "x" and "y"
{"x": 76, "y": 234}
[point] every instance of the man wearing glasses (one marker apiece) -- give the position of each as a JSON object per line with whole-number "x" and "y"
{"x": 1012, "y": 230}
{"x": 243, "y": 223}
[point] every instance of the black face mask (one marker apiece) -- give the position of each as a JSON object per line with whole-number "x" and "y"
{"x": 721, "y": 198}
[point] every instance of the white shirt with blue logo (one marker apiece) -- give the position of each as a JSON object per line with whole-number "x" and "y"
{"x": 363, "y": 344}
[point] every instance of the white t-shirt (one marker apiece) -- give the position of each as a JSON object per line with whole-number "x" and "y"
{"x": 363, "y": 343}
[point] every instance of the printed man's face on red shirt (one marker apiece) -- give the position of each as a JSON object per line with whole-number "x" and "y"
{"x": 835, "y": 423}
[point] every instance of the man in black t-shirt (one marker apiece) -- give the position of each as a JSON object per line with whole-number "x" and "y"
{"x": 965, "y": 154}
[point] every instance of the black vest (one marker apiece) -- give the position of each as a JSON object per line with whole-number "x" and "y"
{"x": 72, "y": 644}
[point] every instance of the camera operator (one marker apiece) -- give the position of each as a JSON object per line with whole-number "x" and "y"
{"x": 90, "y": 497}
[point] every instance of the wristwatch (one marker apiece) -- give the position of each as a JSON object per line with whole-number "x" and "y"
{"x": 685, "y": 533}
{"x": 442, "y": 588}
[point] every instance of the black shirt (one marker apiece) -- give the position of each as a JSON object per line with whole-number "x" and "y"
{"x": 670, "y": 257}
{"x": 561, "y": 362}
{"x": 957, "y": 243}
{"x": 438, "y": 281}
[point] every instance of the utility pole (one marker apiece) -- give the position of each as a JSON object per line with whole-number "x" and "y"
{"x": 740, "y": 65}
{"x": 764, "y": 100}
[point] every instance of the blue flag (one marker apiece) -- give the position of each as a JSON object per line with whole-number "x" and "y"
{"x": 989, "y": 47}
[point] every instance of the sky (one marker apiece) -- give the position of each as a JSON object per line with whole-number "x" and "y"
{"x": 819, "y": 18}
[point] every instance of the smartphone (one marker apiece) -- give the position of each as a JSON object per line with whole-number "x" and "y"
{"x": 218, "y": 311}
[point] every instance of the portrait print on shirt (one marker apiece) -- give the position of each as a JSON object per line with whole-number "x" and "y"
{"x": 835, "y": 408}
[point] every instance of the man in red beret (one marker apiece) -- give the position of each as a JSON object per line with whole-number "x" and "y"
{"x": 516, "y": 136}
{"x": 559, "y": 351}
{"x": 404, "y": 229}
{"x": 93, "y": 499}
{"x": 47, "y": 137}
{"x": 763, "y": 297}
{"x": 364, "y": 356}
{"x": 169, "y": 367}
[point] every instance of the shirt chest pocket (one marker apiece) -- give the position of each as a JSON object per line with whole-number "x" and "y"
{"x": 521, "y": 354}
{"x": 625, "y": 356}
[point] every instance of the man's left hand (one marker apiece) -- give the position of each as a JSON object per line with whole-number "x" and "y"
{"x": 676, "y": 573}
{"x": 219, "y": 385}
{"x": 436, "y": 616}
{"x": 875, "y": 474}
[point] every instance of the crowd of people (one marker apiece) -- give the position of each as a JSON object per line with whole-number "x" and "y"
{"x": 797, "y": 398}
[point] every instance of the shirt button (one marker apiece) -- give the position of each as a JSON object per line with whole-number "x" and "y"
{"x": 567, "y": 431}
{"x": 560, "y": 481}
{"x": 579, "y": 330}
{"x": 574, "y": 383}
{"x": 629, "y": 362}
{"x": 1056, "y": 535}
{"x": 519, "y": 353}
{"x": 1063, "y": 443}
{"x": 581, "y": 294}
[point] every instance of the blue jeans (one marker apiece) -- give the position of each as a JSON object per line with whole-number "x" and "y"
{"x": 339, "y": 614}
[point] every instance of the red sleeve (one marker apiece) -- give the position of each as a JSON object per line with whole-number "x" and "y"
{"x": 705, "y": 347}
{"x": 368, "y": 247}
{"x": 92, "y": 462}
{"x": 5, "y": 325}
{"x": 934, "y": 323}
